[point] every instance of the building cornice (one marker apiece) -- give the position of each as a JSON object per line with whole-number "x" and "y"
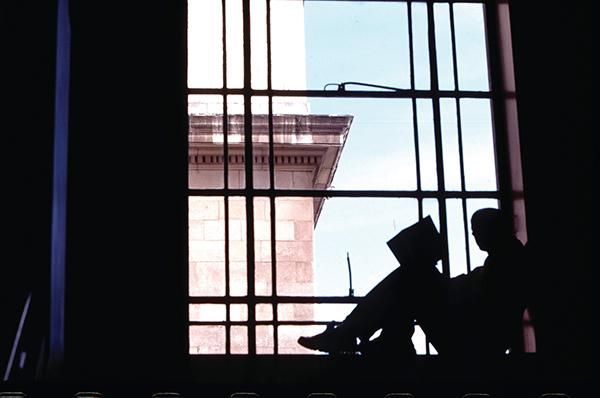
{"x": 300, "y": 142}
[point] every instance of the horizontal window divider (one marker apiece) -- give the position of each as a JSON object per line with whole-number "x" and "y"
{"x": 275, "y": 300}
{"x": 346, "y": 193}
{"x": 345, "y": 94}
{"x": 258, "y": 323}
{"x": 409, "y": 1}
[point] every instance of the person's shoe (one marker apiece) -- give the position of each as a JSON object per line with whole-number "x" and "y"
{"x": 332, "y": 340}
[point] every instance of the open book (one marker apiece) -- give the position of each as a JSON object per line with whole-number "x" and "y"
{"x": 421, "y": 242}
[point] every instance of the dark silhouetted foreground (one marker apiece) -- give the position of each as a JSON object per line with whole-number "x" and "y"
{"x": 468, "y": 317}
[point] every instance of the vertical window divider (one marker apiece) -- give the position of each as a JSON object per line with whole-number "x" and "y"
{"x": 460, "y": 137}
{"x": 438, "y": 135}
{"x": 414, "y": 105}
{"x": 249, "y": 171}
{"x": 415, "y": 121}
{"x": 272, "y": 186}
{"x": 226, "y": 179}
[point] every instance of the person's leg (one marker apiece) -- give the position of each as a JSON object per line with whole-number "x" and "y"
{"x": 391, "y": 305}
{"x": 370, "y": 315}
{"x": 387, "y": 304}
{"x": 431, "y": 309}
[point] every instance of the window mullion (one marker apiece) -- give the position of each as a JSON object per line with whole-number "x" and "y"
{"x": 414, "y": 106}
{"x": 226, "y": 180}
{"x": 272, "y": 198}
{"x": 400, "y": 93}
{"x": 438, "y": 134}
{"x": 249, "y": 193}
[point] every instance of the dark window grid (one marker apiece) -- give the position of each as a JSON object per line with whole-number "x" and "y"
{"x": 226, "y": 177}
{"x": 272, "y": 207}
{"x": 434, "y": 94}
{"x": 262, "y": 323}
{"x": 275, "y": 299}
{"x": 275, "y": 193}
{"x": 258, "y": 323}
{"x": 408, "y": 1}
{"x": 400, "y": 93}
{"x": 250, "y": 255}
{"x": 414, "y": 109}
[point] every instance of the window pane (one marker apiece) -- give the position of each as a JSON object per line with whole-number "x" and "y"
{"x": 304, "y": 34}
{"x": 314, "y": 312}
{"x": 431, "y": 207}
{"x": 206, "y": 246}
{"x": 205, "y": 141}
{"x": 264, "y": 312}
{"x": 262, "y": 246}
{"x": 450, "y": 144}
{"x": 264, "y": 340}
{"x": 238, "y": 312}
{"x": 205, "y": 44}
{"x": 288, "y": 338}
{"x": 443, "y": 47}
{"x": 258, "y": 43}
{"x": 427, "y": 144}
{"x": 205, "y": 37}
{"x": 238, "y": 285}
{"x": 235, "y": 43}
{"x": 294, "y": 227}
{"x": 456, "y": 237}
{"x": 478, "y": 144}
{"x": 207, "y": 339}
{"x": 471, "y": 49}
{"x": 333, "y": 146}
{"x": 359, "y": 227}
{"x": 421, "y": 71}
{"x": 260, "y": 142}
{"x": 207, "y": 312}
{"x": 239, "y": 339}
{"x": 288, "y": 49}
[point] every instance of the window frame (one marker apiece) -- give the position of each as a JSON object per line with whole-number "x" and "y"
{"x": 509, "y": 185}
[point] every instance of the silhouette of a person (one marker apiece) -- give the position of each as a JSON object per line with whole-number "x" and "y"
{"x": 474, "y": 315}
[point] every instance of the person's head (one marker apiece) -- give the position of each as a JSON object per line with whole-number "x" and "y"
{"x": 491, "y": 228}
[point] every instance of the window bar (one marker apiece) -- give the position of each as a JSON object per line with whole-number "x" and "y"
{"x": 227, "y": 276}
{"x": 249, "y": 194}
{"x": 414, "y": 106}
{"x": 272, "y": 185}
{"x": 352, "y": 193}
{"x": 401, "y": 93}
{"x": 226, "y": 178}
{"x": 278, "y": 300}
{"x": 460, "y": 138}
{"x": 438, "y": 135}
{"x": 415, "y": 122}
